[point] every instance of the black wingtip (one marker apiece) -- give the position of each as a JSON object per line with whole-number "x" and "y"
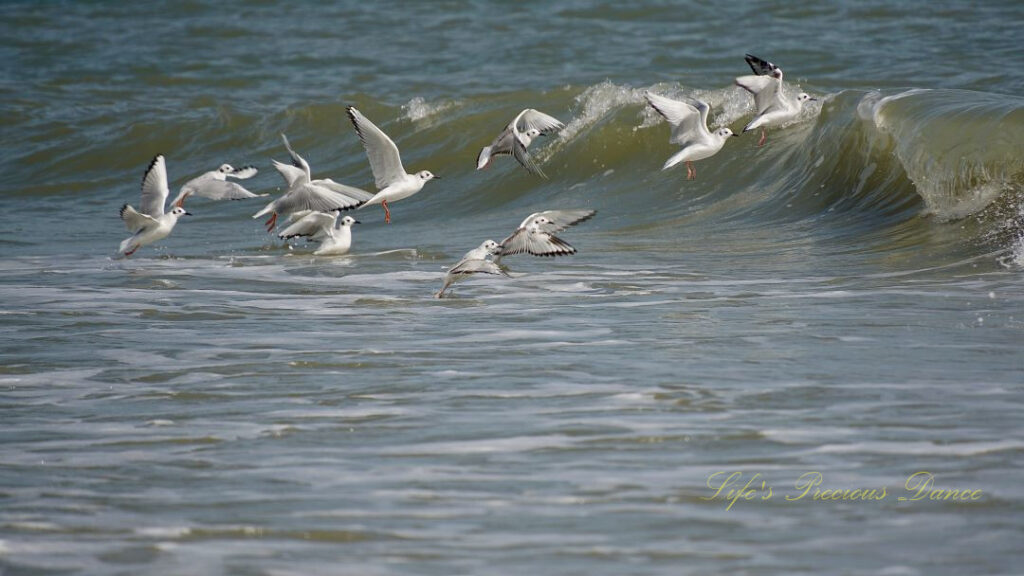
{"x": 123, "y": 208}
{"x": 149, "y": 168}
{"x": 351, "y": 111}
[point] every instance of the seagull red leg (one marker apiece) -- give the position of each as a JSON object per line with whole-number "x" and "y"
{"x": 387, "y": 213}
{"x": 764, "y": 134}
{"x": 691, "y": 174}
{"x": 271, "y": 222}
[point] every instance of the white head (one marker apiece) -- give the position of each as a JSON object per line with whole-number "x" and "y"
{"x": 803, "y": 97}
{"x": 776, "y": 72}
{"x": 724, "y": 133}
{"x": 226, "y": 169}
{"x": 527, "y": 137}
{"x": 425, "y": 175}
{"x": 538, "y": 222}
{"x": 348, "y": 221}
{"x": 491, "y": 247}
{"x": 178, "y": 212}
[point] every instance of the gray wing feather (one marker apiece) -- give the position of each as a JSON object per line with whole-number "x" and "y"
{"x": 686, "y": 118}
{"x": 311, "y": 224}
{"x": 522, "y": 156}
{"x": 220, "y": 190}
{"x": 539, "y": 121}
{"x": 154, "y": 188}
{"x": 290, "y": 173}
{"x": 764, "y": 88}
{"x": 381, "y": 151}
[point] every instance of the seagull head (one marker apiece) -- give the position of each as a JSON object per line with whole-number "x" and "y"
{"x": 805, "y": 97}
{"x": 225, "y": 169}
{"x": 724, "y": 133}
{"x": 348, "y": 221}
{"x": 492, "y": 247}
{"x": 178, "y": 212}
{"x": 776, "y": 72}
{"x": 426, "y": 175}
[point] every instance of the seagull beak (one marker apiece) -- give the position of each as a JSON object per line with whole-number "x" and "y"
{"x": 356, "y": 222}
{"x": 813, "y": 99}
{"x": 436, "y": 177}
{"x": 735, "y": 135}
{"x": 188, "y": 213}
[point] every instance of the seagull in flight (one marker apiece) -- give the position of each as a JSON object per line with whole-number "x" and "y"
{"x": 474, "y": 262}
{"x": 536, "y": 234}
{"x": 304, "y": 193}
{"x": 150, "y": 223}
{"x": 517, "y": 137}
{"x": 392, "y": 181}
{"x": 689, "y": 121}
{"x": 216, "y": 186}
{"x": 772, "y": 103}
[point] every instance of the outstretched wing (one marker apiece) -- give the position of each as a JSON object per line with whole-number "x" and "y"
{"x": 154, "y": 188}
{"x": 381, "y": 151}
{"x": 558, "y": 220}
{"x": 688, "y": 119}
{"x": 475, "y": 266}
{"x": 535, "y": 242}
{"x": 219, "y": 190}
{"x": 289, "y": 172}
{"x": 764, "y": 88}
{"x": 522, "y": 156}
{"x": 532, "y": 119}
{"x": 311, "y": 224}
{"x": 243, "y": 172}
{"x": 297, "y": 161}
{"x": 314, "y": 197}
{"x": 357, "y": 194}
{"x": 134, "y": 221}
{"x": 759, "y": 66}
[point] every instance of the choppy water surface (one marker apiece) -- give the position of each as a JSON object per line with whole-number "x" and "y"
{"x": 847, "y": 300}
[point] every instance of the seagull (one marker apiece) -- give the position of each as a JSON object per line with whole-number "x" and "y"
{"x": 215, "y": 185}
{"x": 474, "y": 262}
{"x": 335, "y": 240}
{"x": 536, "y": 234}
{"x": 393, "y": 183}
{"x": 689, "y": 121}
{"x": 152, "y": 223}
{"x": 516, "y": 138}
{"x": 770, "y": 99}
{"x": 304, "y": 193}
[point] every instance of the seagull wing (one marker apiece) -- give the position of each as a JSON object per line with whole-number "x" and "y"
{"x": 290, "y": 173}
{"x": 468, "y": 266}
{"x": 243, "y": 172}
{"x": 759, "y": 66}
{"x": 535, "y": 242}
{"x": 539, "y": 121}
{"x": 313, "y": 197}
{"x": 218, "y": 190}
{"x": 385, "y": 162}
{"x": 686, "y": 118}
{"x": 764, "y": 88}
{"x": 522, "y": 156}
{"x": 154, "y": 188}
{"x": 297, "y": 161}
{"x": 135, "y": 221}
{"x": 311, "y": 224}
{"x": 357, "y": 194}
{"x": 559, "y": 220}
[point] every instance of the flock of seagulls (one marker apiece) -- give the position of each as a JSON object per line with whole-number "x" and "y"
{"x": 312, "y": 206}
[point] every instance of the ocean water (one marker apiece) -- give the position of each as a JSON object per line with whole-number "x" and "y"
{"x": 843, "y": 304}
